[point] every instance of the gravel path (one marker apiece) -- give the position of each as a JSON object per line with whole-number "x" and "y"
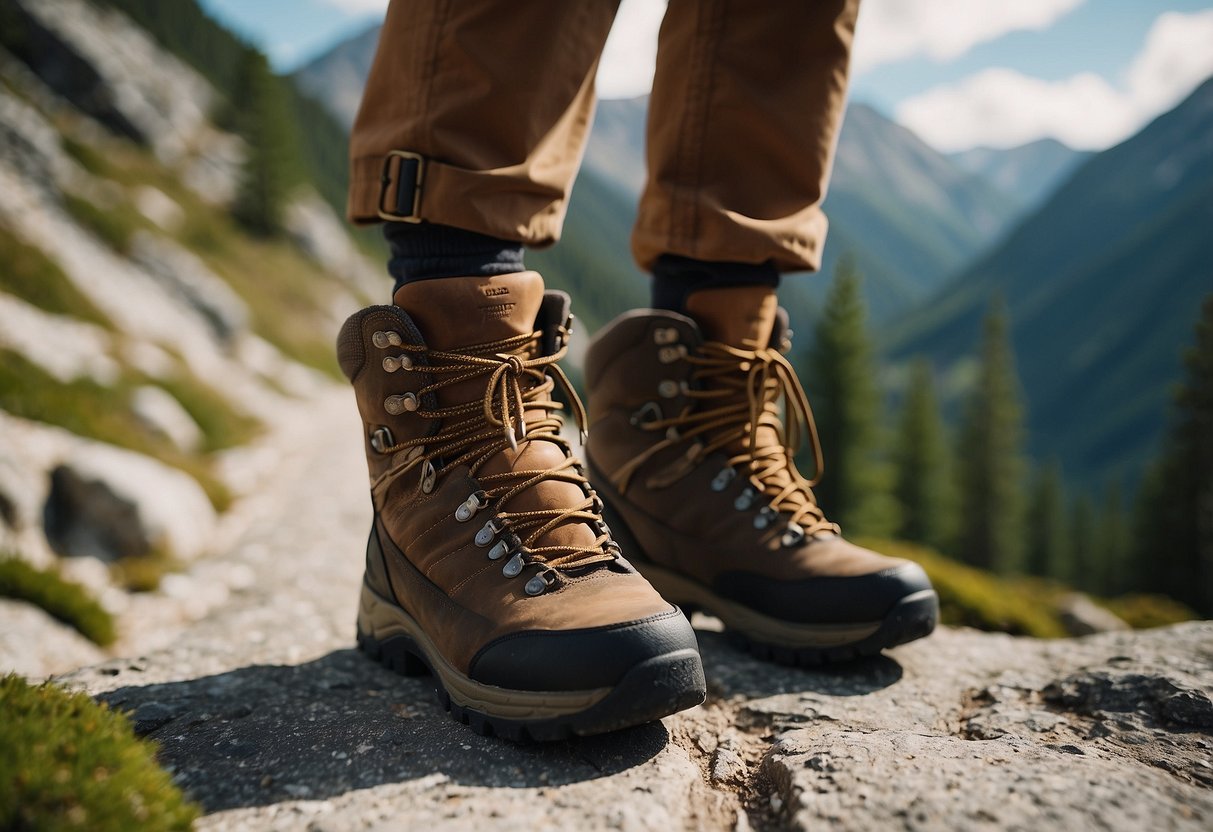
{"x": 271, "y": 720}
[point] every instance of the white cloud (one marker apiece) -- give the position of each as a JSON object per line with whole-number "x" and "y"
{"x": 1004, "y": 108}
{"x": 630, "y": 55}
{"x": 890, "y": 30}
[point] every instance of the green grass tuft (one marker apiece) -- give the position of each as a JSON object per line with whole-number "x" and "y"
{"x": 88, "y": 157}
{"x": 1017, "y": 604}
{"x": 30, "y": 275}
{"x": 71, "y": 763}
{"x": 1144, "y": 611}
{"x": 102, "y": 412}
{"x": 61, "y": 599}
{"x": 143, "y": 573}
{"x": 115, "y": 225}
{"x": 222, "y": 427}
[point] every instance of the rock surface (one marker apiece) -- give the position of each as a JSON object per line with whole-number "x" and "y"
{"x": 267, "y": 715}
{"x": 99, "y": 500}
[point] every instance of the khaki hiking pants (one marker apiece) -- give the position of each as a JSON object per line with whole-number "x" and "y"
{"x": 476, "y": 114}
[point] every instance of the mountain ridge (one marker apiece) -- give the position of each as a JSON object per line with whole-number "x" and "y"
{"x": 1097, "y": 345}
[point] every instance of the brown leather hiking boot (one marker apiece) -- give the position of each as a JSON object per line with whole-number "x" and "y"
{"x": 489, "y": 563}
{"x": 690, "y": 454}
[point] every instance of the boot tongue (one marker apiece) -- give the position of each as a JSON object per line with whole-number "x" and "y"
{"x": 740, "y": 316}
{"x": 458, "y": 312}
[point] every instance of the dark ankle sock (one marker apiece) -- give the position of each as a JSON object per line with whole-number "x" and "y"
{"x": 675, "y": 277}
{"x": 421, "y": 251}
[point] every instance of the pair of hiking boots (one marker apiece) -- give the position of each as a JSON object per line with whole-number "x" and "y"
{"x": 540, "y": 593}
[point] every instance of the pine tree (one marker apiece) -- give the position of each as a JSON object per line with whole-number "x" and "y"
{"x": 990, "y": 457}
{"x": 924, "y": 486}
{"x": 856, "y": 488}
{"x": 1049, "y": 551}
{"x": 1111, "y": 547}
{"x": 1082, "y": 543}
{"x": 260, "y": 116}
{"x": 1174, "y": 545}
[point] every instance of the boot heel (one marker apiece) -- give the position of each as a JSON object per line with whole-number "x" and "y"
{"x": 394, "y": 650}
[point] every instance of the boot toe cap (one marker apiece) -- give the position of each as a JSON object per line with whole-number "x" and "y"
{"x": 827, "y": 599}
{"x": 580, "y": 659}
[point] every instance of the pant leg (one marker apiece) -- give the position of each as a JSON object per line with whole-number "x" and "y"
{"x": 497, "y": 95}
{"x": 747, "y": 103}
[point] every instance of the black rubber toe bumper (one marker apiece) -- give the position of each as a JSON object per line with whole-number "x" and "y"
{"x": 828, "y": 600}
{"x": 595, "y": 657}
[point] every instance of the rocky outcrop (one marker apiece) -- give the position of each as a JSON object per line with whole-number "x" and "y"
{"x": 94, "y": 500}
{"x": 269, "y": 717}
{"x": 322, "y": 237}
{"x": 117, "y": 74}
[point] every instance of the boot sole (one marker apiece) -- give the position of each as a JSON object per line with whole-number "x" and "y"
{"x": 784, "y": 642}
{"x": 652, "y": 689}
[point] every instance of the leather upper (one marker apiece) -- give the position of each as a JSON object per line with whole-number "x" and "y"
{"x": 703, "y": 520}
{"x": 423, "y": 552}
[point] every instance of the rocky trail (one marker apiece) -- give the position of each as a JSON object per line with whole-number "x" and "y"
{"x": 270, "y": 719}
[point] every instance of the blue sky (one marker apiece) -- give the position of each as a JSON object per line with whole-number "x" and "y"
{"x": 961, "y": 73}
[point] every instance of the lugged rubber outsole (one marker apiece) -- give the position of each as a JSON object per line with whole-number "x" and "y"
{"x": 913, "y": 617}
{"x": 652, "y": 689}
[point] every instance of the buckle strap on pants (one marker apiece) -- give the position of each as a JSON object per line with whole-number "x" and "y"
{"x": 488, "y": 104}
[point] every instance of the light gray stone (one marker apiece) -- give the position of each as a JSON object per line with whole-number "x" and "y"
{"x": 163, "y": 414}
{"x": 36, "y": 645}
{"x": 183, "y": 274}
{"x": 63, "y": 347}
{"x": 1083, "y": 617}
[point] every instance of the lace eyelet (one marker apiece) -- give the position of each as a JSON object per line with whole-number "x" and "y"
{"x": 513, "y": 566}
{"x": 745, "y": 499}
{"x": 428, "y": 477}
{"x": 500, "y": 549}
{"x": 539, "y": 583}
{"x": 668, "y": 389}
{"x": 398, "y": 362}
{"x": 668, "y": 355}
{"x": 794, "y": 535}
{"x": 765, "y": 517}
{"x": 665, "y": 335}
{"x": 396, "y": 405}
{"x": 487, "y": 532}
{"x": 648, "y": 412}
{"x": 382, "y": 439}
{"x": 468, "y": 508}
{"x": 385, "y": 339}
{"x": 721, "y": 481}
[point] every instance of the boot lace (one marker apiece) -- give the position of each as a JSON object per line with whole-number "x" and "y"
{"x": 734, "y": 392}
{"x": 520, "y": 378}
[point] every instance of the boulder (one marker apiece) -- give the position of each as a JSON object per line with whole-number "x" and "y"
{"x": 1083, "y": 617}
{"x": 112, "y": 503}
{"x": 163, "y": 414}
{"x": 183, "y": 274}
{"x": 96, "y": 499}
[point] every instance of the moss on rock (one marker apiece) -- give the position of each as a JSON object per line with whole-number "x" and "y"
{"x": 64, "y": 600}
{"x": 71, "y": 763}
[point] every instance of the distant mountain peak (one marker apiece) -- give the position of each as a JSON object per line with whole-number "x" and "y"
{"x": 1028, "y": 173}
